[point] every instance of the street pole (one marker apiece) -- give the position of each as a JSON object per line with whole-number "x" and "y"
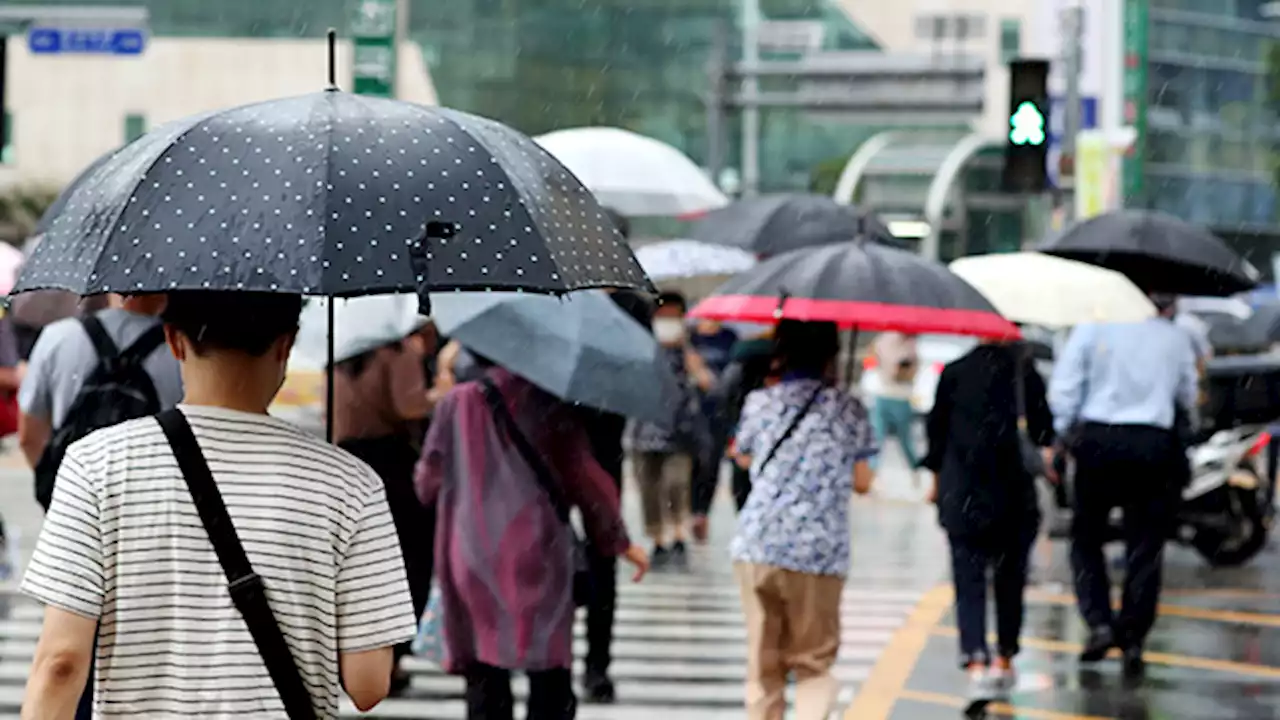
{"x": 751, "y": 89}
{"x": 1073, "y": 25}
{"x": 402, "y": 34}
{"x": 717, "y": 68}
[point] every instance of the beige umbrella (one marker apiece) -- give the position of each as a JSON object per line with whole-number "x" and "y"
{"x": 1036, "y": 289}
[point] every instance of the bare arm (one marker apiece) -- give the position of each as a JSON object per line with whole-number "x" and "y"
{"x": 61, "y": 665}
{"x": 366, "y": 676}
{"x": 863, "y": 476}
{"x": 33, "y": 436}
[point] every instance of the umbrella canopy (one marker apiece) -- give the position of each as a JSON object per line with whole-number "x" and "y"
{"x": 1035, "y": 289}
{"x": 60, "y": 203}
{"x": 858, "y": 285}
{"x": 581, "y": 348}
{"x": 1158, "y": 252}
{"x": 331, "y": 194}
{"x": 678, "y": 259}
{"x": 633, "y": 174}
{"x": 360, "y": 324}
{"x": 773, "y": 224}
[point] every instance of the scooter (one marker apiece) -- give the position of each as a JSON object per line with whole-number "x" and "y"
{"x": 1227, "y": 508}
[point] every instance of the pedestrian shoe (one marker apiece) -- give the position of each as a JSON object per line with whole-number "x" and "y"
{"x": 1100, "y": 642}
{"x": 1003, "y": 681}
{"x": 700, "y": 528}
{"x": 659, "y": 558}
{"x": 597, "y": 689}
{"x": 1134, "y": 666}
{"x": 982, "y": 691}
{"x": 679, "y": 555}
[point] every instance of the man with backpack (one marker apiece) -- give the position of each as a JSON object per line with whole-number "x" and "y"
{"x": 91, "y": 372}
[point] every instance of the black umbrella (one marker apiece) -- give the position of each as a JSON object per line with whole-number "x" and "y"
{"x": 1158, "y": 252}
{"x": 55, "y": 208}
{"x": 859, "y": 285}
{"x": 331, "y": 194}
{"x": 774, "y": 224}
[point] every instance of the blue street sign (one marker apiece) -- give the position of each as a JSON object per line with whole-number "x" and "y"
{"x": 53, "y": 41}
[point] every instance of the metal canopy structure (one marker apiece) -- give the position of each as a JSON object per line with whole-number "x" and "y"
{"x": 919, "y": 178}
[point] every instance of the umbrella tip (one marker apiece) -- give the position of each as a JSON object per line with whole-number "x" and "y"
{"x": 333, "y": 59}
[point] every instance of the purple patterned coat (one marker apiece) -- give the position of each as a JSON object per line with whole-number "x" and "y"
{"x": 503, "y": 559}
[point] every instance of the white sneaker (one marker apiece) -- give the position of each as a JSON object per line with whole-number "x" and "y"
{"x": 982, "y": 691}
{"x": 1003, "y": 681}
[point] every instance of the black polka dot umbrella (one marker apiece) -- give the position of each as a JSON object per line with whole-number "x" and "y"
{"x": 331, "y": 194}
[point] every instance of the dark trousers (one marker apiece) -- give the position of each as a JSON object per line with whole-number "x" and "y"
{"x": 601, "y": 605}
{"x": 706, "y": 476}
{"x": 1141, "y": 470}
{"x": 1005, "y": 556}
{"x": 741, "y": 486}
{"x": 394, "y": 458}
{"x": 489, "y": 694}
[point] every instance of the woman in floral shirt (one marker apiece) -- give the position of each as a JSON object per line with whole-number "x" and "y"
{"x": 808, "y": 446}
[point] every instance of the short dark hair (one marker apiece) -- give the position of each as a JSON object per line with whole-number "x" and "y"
{"x": 247, "y": 322}
{"x": 806, "y": 347}
{"x": 673, "y": 299}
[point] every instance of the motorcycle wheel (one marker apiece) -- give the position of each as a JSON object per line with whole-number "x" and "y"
{"x": 1248, "y": 518}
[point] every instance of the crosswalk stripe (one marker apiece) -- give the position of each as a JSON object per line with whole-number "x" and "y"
{"x": 679, "y": 653}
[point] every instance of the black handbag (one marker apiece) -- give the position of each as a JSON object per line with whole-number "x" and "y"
{"x": 1032, "y": 460}
{"x": 247, "y": 590}
{"x": 502, "y": 417}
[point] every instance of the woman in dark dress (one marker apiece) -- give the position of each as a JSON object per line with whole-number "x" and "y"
{"x": 986, "y": 498}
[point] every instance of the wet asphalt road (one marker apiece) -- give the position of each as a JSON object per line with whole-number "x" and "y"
{"x": 1213, "y": 654}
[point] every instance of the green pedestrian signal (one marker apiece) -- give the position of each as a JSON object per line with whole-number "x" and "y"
{"x": 1026, "y": 125}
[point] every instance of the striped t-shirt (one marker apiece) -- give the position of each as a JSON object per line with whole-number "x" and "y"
{"x": 123, "y": 542}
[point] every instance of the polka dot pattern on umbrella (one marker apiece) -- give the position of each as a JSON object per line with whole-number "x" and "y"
{"x": 331, "y": 194}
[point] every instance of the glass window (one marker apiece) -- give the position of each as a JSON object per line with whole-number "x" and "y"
{"x": 135, "y": 126}
{"x": 1010, "y": 38}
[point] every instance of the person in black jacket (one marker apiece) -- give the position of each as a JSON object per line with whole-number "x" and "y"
{"x": 605, "y": 431}
{"x": 986, "y": 498}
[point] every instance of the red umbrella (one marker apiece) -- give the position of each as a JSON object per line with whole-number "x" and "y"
{"x": 858, "y": 285}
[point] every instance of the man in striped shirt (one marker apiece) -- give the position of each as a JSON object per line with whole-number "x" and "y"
{"x": 123, "y": 545}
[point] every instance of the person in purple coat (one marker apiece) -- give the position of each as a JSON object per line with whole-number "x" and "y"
{"x": 503, "y": 556}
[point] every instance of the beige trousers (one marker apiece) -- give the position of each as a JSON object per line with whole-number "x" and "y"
{"x": 793, "y": 627}
{"x": 665, "y": 492}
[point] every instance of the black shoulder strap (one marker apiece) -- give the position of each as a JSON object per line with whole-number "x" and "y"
{"x": 102, "y": 342}
{"x": 248, "y": 593}
{"x": 502, "y": 416}
{"x": 795, "y": 423}
{"x": 146, "y": 344}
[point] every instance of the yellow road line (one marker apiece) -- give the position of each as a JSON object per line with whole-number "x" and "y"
{"x": 1183, "y": 611}
{"x": 1224, "y": 594}
{"x": 1192, "y": 662}
{"x": 888, "y": 678}
{"x": 1000, "y": 709}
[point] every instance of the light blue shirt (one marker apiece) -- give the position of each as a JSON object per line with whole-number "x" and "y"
{"x": 1123, "y": 374}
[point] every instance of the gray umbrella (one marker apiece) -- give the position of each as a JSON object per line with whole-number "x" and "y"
{"x": 582, "y": 348}
{"x": 774, "y": 224}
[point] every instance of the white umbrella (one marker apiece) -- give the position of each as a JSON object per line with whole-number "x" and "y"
{"x": 634, "y": 175}
{"x": 1036, "y": 289}
{"x": 677, "y": 259}
{"x": 360, "y": 324}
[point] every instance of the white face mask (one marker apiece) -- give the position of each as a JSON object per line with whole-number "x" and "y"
{"x": 668, "y": 331}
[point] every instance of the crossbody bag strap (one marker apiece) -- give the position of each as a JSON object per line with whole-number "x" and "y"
{"x": 795, "y": 423}
{"x": 247, "y": 590}
{"x": 502, "y": 416}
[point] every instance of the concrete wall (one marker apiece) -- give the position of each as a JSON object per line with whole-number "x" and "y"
{"x": 68, "y": 110}
{"x": 893, "y": 24}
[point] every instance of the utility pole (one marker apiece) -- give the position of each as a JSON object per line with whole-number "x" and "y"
{"x": 1072, "y": 49}
{"x": 401, "y": 36}
{"x": 718, "y": 69}
{"x": 751, "y": 89}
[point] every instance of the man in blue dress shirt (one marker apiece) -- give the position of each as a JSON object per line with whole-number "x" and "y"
{"x": 1116, "y": 391}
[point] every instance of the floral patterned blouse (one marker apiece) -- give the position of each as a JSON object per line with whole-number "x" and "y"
{"x": 797, "y": 516}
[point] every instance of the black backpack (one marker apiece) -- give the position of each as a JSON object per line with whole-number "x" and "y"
{"x": 118, "y": 389}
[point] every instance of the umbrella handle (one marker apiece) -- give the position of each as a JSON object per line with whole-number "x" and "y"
{"x": 328, "y": 380}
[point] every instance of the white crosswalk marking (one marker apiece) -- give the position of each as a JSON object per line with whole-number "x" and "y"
{"x": 678, "y": 651}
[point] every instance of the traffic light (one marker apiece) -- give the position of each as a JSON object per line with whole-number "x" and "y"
{"x": 1026, "y": 154}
